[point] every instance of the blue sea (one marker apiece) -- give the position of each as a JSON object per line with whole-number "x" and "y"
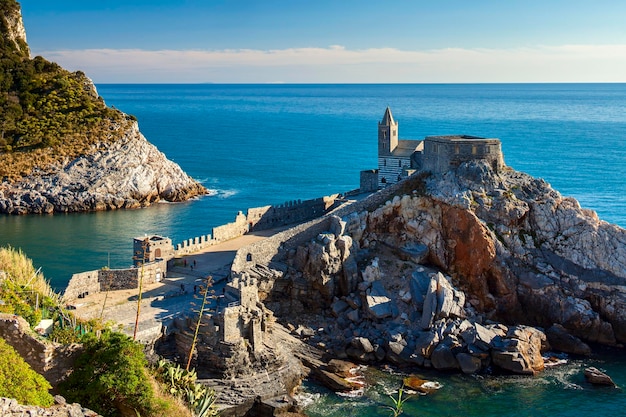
{"x": 255, "y": 145}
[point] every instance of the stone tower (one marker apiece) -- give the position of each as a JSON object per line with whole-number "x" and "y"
{"x": 387, "y": 134}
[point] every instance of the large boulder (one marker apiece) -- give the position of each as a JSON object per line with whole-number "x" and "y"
{"x": 378, "y": 303}
{"x": 520, "y": 351}
{"x": 560, "y": 339}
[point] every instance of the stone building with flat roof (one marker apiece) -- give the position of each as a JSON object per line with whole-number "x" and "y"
{"x": 151, "y": 248}
{"x": 399, "y": 158}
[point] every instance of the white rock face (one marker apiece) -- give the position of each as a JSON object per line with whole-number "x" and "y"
{"x": 521, "y": 252}
{"x": 128, "y": 173}
{"x": 16, "y": 32}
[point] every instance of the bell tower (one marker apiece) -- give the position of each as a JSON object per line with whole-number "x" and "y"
{"x": 387, "y": 134}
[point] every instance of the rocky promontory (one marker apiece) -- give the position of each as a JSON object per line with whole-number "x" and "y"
{"x": 127, "y": 173}
{"x": 62, "y": 149}
{"x": 466, "y": 270}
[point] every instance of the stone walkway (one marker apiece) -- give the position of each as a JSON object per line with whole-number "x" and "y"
{"x": 163, "y": 301}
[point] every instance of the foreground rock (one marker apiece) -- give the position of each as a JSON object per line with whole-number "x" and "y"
{"x": 597, "y": 377}
{"x": 11, "y": 408}
{"x": 128, "y": 173}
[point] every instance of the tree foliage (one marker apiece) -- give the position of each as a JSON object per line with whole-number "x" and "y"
{"x": 18, "y": 380}
{"x": 110, "y": 377}
{"x": 43, "y": 106}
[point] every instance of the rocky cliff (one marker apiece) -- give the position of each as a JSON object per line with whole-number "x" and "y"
{"x": 62, "y": 149}
{"x": 462, "y": 270}
{"x": 127, "y": 173}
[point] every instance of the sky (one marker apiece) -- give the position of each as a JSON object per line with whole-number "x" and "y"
{"x": 332, "y": 41}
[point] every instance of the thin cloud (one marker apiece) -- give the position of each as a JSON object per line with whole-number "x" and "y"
{"x": 336, "y": 64}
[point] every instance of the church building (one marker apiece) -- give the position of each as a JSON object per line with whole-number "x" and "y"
{"x": 398, "y": 158}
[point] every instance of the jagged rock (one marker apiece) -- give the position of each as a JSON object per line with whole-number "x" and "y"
{"x": 11, "y": 408}
{"x": 361, "y": 348}
{"x": 450, "y": 301}
{"x": 334, "y": 382}
{"x": 128, "y": 173}
{"x": 417, "y": 253}
{"x": 379, "y": 305}
{"x": 363, "y": 344}
{"x": 372, "y": 272}
{"x": 425, "y": 343}
{"x": 469, "y": 364}
{"x": 354, "y": 316}
{"x": 339, "y": 307}
{"x": 520, "y": 351}
{"x": 560, "y": 339}
{"x": 441, "y": 301}
{"x": 429, "y": 310}
{"x": 443, "y": 358}
{"x": 597, "y": 377}
{"x": 340, "y": 367}
{"x": 479, "y": 335}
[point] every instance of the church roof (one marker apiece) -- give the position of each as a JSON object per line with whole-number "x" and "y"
{"x": 388, "y": 118}
{"x": 406, "y": 148}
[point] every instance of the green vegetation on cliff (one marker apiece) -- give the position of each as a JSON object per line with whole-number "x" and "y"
{"x": 19, "y": 381}
{"x": 47, "y": 114}
{"x": 110, "y": 376}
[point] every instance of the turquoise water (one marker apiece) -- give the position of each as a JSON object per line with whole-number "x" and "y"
{"x": 557, "y": 392}
{"x": 262, "y": 144}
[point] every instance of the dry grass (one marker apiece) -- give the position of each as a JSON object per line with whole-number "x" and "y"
{"x": 20, "y": 270}
{"x": 169, "y": 406}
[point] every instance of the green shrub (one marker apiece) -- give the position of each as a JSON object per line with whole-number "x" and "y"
{"x": 110, "y": 377}
{"x": 19, "y": 381}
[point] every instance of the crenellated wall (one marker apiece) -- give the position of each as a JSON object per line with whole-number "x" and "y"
{"x": 260, "y": 218}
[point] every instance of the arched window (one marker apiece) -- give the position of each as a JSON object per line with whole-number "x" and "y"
{"x": 157, "y": 252}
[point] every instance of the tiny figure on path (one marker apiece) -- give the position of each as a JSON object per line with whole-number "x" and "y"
{"x": 185, "y": 262}
{"x": 182, "y": 288}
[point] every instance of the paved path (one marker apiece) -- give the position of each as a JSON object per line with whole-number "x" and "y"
{"x": 164, "y": 300}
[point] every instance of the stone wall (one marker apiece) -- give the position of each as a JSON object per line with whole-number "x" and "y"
{"x": 231, "y": 230}
{"x": 391, "y": 169}
{"x": 259, "y": 218}
{"x": 443, "y": 153}
{"x": 368, "y": 181}
{"x": 93, "y": 282}
{"x": 271, "y": 248}
{"x": 274, "y": 247}
{"x": 291, "y": 212}
{"x": 49, "y": 359}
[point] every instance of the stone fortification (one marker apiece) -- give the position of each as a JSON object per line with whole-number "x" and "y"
{"x": 100, "y": 280}
{"x": 260, "y": 218}
{"x": 292, "y": 212}
{"x": 444, "y": 153}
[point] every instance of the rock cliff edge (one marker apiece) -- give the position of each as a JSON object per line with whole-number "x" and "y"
{"x": 128, "y": 173}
